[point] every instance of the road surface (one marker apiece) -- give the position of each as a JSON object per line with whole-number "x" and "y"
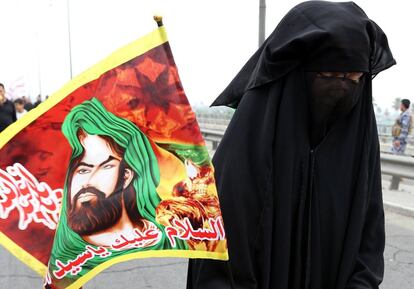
{"x": 171, "y": 273}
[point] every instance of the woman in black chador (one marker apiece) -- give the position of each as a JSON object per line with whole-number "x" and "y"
{"x": 298, "y": 170}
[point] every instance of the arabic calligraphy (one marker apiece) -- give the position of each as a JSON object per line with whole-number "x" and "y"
{"x": 182, "y": 229}
{"x": 74, "y": 267}
{"x": 48, "y": 279}
{"x": 35, "y": 201}
{"x": 140, "y": 239}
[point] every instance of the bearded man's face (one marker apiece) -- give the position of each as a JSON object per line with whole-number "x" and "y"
{"x": 96, "y": 188}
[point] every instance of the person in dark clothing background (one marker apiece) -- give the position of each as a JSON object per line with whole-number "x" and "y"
{"x": 28, "y": 105}
{"x": 7, "y": 110}
{"x": 298, "y": 169}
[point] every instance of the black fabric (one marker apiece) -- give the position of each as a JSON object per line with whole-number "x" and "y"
{"x": 301, "y": 215}
{"x": 28, "y": 106}
{"x": 331, "y": 98}
{"x": 7, "y": 114}
{"x": 319, "y": 35}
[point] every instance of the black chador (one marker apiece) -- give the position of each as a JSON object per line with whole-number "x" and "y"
{"x": 298, "y": 169}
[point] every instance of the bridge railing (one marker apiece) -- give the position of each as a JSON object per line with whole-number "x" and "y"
{"x": 396, "y": 166}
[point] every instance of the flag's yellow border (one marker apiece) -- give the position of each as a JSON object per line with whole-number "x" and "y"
{"x": 23, "y": 255}
{"x": 124, "y": 54}
{"x": 136, "y": 48}
{"x": 146, "y": 254}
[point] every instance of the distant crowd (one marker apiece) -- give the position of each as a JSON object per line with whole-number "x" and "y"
{"x": 10, "y": 111}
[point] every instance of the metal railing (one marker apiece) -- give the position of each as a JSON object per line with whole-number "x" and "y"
{"x": 396, "y": 166}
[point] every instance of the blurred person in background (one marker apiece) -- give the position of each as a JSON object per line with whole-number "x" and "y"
{"x": 19, "y": 106}
{"x": 38, "y": 100}
{"x": 402, "y": 128}
{"x": 28, "y": 105}
{"x": 7, "y": 110}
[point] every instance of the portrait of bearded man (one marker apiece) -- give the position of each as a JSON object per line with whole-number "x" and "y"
{"x": 101, "y": 199}
{"x": 110, "y": 189}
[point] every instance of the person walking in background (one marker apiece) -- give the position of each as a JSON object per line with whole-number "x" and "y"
{"x": 19, "y": 106}
{"x": 28, "y": 105}
{"x": 402, "y": 128}
{"x": 7, "y": 111}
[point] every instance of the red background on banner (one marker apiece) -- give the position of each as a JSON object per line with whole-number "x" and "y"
{"x": 145, "y": 90}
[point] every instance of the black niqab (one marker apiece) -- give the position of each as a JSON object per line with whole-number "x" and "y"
{"x": 331, "y": 98}
{"x": 302, "y": 211}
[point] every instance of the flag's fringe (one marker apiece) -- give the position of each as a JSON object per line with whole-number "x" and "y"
{"x": 124, "y": 54}
{"x": 147, "y": 254}
{"x": 23, "y": 255}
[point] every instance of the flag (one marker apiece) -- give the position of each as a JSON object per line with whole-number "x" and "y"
{"x": 17, "y": 89}
{"x": 110, "y": 168}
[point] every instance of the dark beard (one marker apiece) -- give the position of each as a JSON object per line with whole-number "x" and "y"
{"x": 97, "y": 214}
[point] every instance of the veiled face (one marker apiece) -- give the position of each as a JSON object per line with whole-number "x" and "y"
{"x": 333, "y": 94}
{"x": 328, "y": 88}
{"x": 354, "y": 76}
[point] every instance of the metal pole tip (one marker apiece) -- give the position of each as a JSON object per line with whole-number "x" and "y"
{"x": 158, "y": 19}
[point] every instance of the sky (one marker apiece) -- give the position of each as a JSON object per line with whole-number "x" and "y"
{"x": 211, "y": 40}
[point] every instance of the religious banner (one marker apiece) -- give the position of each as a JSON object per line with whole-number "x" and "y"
{"x": 110, "y": 168}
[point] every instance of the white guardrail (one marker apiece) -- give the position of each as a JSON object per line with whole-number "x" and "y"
{"x": 396, "y": 166}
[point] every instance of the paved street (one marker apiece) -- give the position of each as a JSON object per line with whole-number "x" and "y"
{"x": 171, "y": 273}
{"x": 137, "y": 274}
{"x": 399, "y": 252}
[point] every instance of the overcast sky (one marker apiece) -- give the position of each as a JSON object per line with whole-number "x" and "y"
{"x": 211, "y": 40}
